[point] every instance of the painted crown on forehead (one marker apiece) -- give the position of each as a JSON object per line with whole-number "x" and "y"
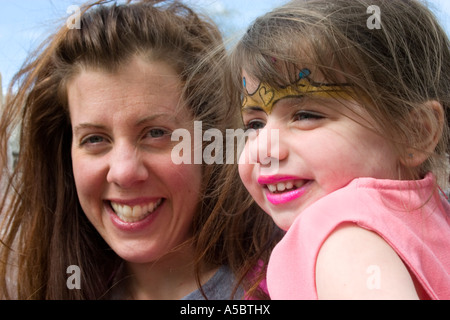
{"x": 266, "y": 96}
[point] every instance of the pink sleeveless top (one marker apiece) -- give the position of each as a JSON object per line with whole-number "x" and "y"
{"x": 395, "y": 210}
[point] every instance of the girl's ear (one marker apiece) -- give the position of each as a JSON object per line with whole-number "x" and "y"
{"x": 429, "y": 121}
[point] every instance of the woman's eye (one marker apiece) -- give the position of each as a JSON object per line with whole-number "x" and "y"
{"x": 157, "y": 133}
{"x": 255, "y": 125}
{"x": 92, "y": 140}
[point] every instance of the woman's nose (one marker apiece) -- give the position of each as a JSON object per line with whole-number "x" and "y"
{"x": 126, "y": 168}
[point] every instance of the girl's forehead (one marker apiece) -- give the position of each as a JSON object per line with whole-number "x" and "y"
{"x": 260, "y": 94}
{"x": 249, "y": 82}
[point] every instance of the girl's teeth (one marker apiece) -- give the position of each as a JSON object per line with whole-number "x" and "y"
{"x": 299, "y": 183}
{"x": 284, "y": 186}
{"x": 136, "y": 213}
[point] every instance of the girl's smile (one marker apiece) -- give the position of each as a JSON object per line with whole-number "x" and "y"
{"x": 283, "y": 189}
{"x": 322, "y": 144}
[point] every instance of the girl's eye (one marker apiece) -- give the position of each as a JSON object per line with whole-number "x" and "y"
{"x": 307, "y": 115}
{"x": 255, "y": 125}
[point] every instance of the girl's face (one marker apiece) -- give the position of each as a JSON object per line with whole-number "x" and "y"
{"x": 140, "y": 202}
{"x": 307, "y": 147}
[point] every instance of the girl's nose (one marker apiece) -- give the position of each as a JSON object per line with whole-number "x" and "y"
{"x": 266, "y": 147}
{"x": 126, "y": 168}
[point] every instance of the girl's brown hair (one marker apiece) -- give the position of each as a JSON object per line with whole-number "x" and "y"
{"x": 392, "y": 66}
{"x": 44, "y": 229}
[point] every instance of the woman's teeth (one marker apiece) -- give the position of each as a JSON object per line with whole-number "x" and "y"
{"x": 136, "y": 213}
{"x": 285, "y": 186}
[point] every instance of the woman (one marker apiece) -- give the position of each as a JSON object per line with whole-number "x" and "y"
{"x": 95, "y": 187}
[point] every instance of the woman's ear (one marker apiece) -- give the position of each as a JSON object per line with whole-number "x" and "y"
{"x": 429, "y": 121}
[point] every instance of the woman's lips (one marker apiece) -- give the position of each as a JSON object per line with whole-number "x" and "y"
{"x": 134, "y": 215}
{"x": 129, "y": 213}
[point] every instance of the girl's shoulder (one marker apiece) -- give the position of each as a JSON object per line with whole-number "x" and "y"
{"x": 354, "y": 262}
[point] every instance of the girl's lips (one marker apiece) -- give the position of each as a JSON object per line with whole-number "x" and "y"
{"x": 283, "y": 189}
{"x": 285, "y": 197}
{"x": 275, "y": 179}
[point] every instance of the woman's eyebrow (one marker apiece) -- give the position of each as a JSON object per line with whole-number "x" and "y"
{"x": 85, "y": 126}
{"x": 153, "y": 117}
{"x": 138, "y": 123}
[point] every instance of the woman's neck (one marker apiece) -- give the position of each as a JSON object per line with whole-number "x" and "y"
{"x": 169, "y": 278}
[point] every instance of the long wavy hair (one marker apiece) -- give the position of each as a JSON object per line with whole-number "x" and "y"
{"x": 44, "y": 229}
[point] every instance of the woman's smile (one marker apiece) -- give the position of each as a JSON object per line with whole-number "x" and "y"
{"x": 140, "y": 202}
{"x": 134, "y": 213}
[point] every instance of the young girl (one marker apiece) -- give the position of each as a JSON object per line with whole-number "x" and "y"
{"x": 347, "y": 104}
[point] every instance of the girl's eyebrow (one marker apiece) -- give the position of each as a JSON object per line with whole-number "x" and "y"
{"x": 298, "y": 100}
{"x": 250, "y": 109}
{"x": 292, "y": 101}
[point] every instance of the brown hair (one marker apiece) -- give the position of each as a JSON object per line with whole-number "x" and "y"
{"x": 44, "y": 229}
{"x": 392, "y": 70}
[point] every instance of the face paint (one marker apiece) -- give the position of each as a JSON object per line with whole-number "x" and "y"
{"x": 266, "y": 97}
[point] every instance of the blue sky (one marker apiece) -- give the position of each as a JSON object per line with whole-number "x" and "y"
{"x": 25, "y": 23}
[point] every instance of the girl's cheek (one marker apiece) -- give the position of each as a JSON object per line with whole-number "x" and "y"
{"x": 245, "y": 172}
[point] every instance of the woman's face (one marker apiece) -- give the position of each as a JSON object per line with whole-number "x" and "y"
{"x": 139, "y": 201}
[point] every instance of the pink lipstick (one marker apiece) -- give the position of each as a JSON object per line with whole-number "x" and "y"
{"x": 285, "y": 197}
{"x": 283, "y": 189}
{"x": 275, "y": 179}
